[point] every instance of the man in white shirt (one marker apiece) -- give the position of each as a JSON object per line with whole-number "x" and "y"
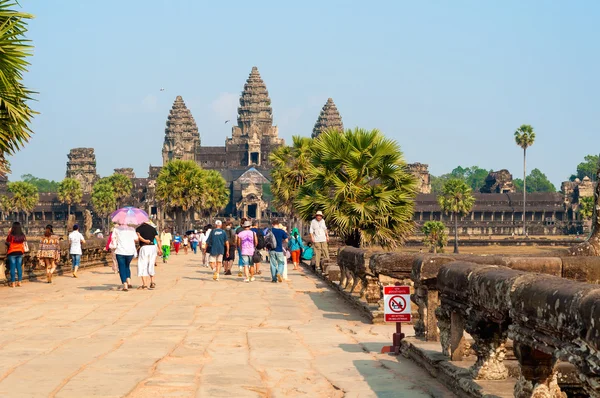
{"x": 319, "y": 237}
{"x": 75, "y": 241}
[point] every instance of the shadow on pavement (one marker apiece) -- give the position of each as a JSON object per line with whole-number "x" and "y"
{"x": 335, "y": 307}
{"x": 105, "y": 286}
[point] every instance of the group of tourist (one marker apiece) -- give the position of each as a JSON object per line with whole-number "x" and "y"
{"x": 218, "y": 247}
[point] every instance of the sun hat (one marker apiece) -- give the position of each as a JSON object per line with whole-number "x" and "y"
{"x": 218, "y": 222}
{"x": 247, "y": 224}
{"x": 319, "y": 213}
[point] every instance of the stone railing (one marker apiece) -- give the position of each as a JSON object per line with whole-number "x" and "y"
{"x": 548, "y": 318}
{"x": 93, "y": 255}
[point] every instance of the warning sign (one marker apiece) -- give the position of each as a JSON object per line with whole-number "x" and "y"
{"x": 397, "y": 303}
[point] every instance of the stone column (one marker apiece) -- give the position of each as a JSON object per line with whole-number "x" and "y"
{"x": 538, "y": 374}
{"x": 490, "y": 339}
{"x": 472, "y": 216}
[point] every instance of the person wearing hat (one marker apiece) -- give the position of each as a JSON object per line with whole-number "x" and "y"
{"x": 218, "y": 245}
{"x": 75, "y": 241}
{"x": 319, "y": 238}
{"x": 247, "y": 242}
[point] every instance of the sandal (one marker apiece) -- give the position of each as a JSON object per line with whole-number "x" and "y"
{"x": 125, "y": 289}
{"x": 129, "y": 286}
{"x": 152, "y": 285}
{"x": 142, "y": 287}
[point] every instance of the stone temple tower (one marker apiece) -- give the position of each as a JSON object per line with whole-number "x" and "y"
{"x": 254, "y": 137}
{"x": 82, "y": 167}
{"x": 329, "y": 118}
{"x": 182, "y": 140}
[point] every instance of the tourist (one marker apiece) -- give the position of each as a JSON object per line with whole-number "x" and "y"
{"x": 276, "y": 254}
{"x": 319, "y": 238}
{"x": 186, "y": 244}
{"x": 49, "y": 251}
{"x": 218, "y": 245}
{"x": 124, "y": 238}
{"x": 194, "y": 241}
{"x": 230, "y": 254}
{"x": 176, "y": 243}
{"x": 247, "y": 241}
{"x": 165, "y": 239}
{"x": 286, "y": 253}
{"x": 205, "y": 251}
{"x": 260, "y": 246}
{"x": 113, "y": 256}
{"x": 239, "y": 229}
{"x": 150, "y": 247}
{"x": 295, "y": 246}
{"x": 16, "y": 243}
{"x": 75, "y": 241}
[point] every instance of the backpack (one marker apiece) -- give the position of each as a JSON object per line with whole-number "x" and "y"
{"x": 270, "y": 241}
{"x": 260, "y": 236}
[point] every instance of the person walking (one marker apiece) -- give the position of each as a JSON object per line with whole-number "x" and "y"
{"x": 165, "y": 239}
{"x": 16, "y": 242}
{"x": 194, "y": 241}
{"x": 295, "y": 246}
{"x": 113, "y": 256}
{"x": 205, "y": 251}
{"x": 186, "y": 243}
{"x": 177, "y": 243}
{"x": 239, "y": 229}
{"x": 125, "y": 238}
{"x": 259, "y": 246}
{"x": 230, "y": 254}
{"x": 219, "y": 245}
{"x": 276, "y": 254}
{"x": 49, "y": 251}
{"x": 320, "y": 238}
{"x": 147, "y": 236}
{"x": 247, "y": 241}
{"x": 76, "y": 239}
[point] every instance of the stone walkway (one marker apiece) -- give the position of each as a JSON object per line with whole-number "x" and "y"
{"x": 193, "y": 337}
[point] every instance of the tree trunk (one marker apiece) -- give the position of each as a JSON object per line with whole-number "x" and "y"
{"x": 524, "y": 190}
{"x": 68, "y": 211}
{"x": 456, "y": 233}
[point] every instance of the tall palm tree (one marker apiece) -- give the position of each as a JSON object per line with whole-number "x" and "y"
{"x": 25, "y": 197}
{"x": 15, "y": 114}
{"x": 360, "y": 181}
{"x": 6, "y": 206}
{"x": 70, "y": 192}
{"x": 122, "y": 187}
{"x": 456, "y": 198}
{"x": 524, "y": 137}
{"x": 216, "y": 193}
{"x": 103, "y": 199}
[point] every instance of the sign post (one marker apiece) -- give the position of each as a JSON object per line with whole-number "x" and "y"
{"x": 396, "y": 309}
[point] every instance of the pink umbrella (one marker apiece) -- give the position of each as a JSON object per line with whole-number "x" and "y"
{"x": 130, "y": 216}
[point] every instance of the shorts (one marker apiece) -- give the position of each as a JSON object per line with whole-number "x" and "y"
{"x": 147, "y": 260}
{"x": 246, "y": 260}
{"x": 217, "y": 258}
{"x": 231, "y": 254}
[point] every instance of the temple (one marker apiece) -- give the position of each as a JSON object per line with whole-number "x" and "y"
{"x": 329, "y": 119}
{"x": 82, "y": 167}
{"x": 182, "y": 141}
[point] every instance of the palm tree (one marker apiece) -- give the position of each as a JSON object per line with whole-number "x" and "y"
{"x": 25, "y": 197}
{"x": 435, "y": 235}
{"x": 524, "y": 137}
{"x": 216, "y": 193}
{"x": 15, "y": 114}
{"x": 122, "y": 187}
{"x": 456, "y": 198}
{"x": 6, "y": 206}
{"x": 290, "y": 168}
{"x": 70, "y": 192}
{"x": 103, "y": 199}
{"x": 360, "y": 181}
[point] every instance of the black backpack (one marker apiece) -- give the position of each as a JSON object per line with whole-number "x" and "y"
{"x": 261, "y": 239}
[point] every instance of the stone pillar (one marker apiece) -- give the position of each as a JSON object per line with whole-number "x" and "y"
{"x": 427, "y": 301}
{"x": 444, "y": 323}
{"x": 502, "y": 219}
{"x": 538, "y": 374}
{"x": 457, "y": 337}
{"x": 490, "y": 339}
{"x": 472, "y": 216}
{"x": 421, "y": 216}
{"x": 482, "y": 213}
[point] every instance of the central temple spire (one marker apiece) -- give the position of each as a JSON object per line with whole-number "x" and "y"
{"x": 182, "y": 140}
{"x": 255, "y": 104}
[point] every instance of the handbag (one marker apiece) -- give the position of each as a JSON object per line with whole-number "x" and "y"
{"x": 256, "y": 257}
{"x": 113, "y": 242}
{"x": 25, "y": 247}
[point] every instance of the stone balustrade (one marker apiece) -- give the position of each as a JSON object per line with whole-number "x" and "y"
{"x": 548, "y": 318}
{"x": 93, "y": 254}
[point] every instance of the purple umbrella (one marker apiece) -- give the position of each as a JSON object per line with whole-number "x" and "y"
{"x": 130, "y": 216}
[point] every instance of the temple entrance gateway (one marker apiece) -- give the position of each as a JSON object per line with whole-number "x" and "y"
{"x": 252, "y": 211}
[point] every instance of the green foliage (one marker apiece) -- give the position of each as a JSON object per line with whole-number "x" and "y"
{"x": 216, "y": 193}
{"x": 122, "y": 187}
{"x": 587, "y": 168}
{"x": 456, "y": 197}
{"x": 360, "y": 182}
{"x": 524, "y": 136}
{"x": 474, "y": 176}
{"x": 103, "y": 198}
{"x": 15, "y": 114}
{"x": 25, "y": 196}
{"x": 435, "y": 235}
{"x": 536, "y": 182}
{"x": 6, "y": 206}
{"x": 586, "y": 208}
{"x": 42, "y": 184}
{"x": 69, "y": 191}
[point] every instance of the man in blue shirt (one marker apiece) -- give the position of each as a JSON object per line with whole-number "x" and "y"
{"x": 217, "y": 245}
{"x": 276, "y": 255}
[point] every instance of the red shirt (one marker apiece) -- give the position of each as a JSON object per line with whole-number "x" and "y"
{"x": 14, "y": 247}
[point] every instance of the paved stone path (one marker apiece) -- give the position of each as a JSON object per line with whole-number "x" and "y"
{"x": 193, "y": 337}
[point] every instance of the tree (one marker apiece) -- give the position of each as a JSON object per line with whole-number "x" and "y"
{"x": 216, "y": 194}
{"x": 435, "y": 235}
{"x": 457, "y": 198}
{"x": 360, "y": 181}
{"x": 524, "y": 137}
{"x": 103, "y": 199}
{"x": 289, "y": 173}
{"x": 6, "y": 206}
{"x": 70, "y": 192}
{"x": 587, "y": 168}
{"x": 122, "y": 187}
{"x": 536, "y": 182}
{"x": 15, "y": 114}
{"x": 25, "y": 197}
{"x": 42, "y": 184}
{"x": 586, "y": 208}
{"x": 437, "y": 183}
{"x": 474, "y": 176}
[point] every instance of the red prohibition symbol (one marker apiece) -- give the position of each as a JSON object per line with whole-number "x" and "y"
{"x": 397, "y": 304}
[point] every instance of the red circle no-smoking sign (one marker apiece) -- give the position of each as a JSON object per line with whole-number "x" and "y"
{"x": 397, "y": 304}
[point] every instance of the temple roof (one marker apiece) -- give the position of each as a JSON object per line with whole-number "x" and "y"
{"x": 329, "y": 118}
{"x": 255, "y": 104}
{"x": 180, "y": 121}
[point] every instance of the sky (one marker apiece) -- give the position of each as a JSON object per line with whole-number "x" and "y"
{"x": 450, "y": 81}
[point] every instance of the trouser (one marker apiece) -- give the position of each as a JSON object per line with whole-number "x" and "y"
{"x": 195, "y": 247}
{"x": 124, "y": 270}
{"x": 166, "y": 249}
{"x": 75, "y": 260}
{"x": 176, "y": 246}
{"x": 320, "y": 249}
{"x": 277, "y": 261}
{"x": 15, "y": 263}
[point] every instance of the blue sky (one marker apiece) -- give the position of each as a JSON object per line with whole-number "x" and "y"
{"x": 449, "y": 80}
